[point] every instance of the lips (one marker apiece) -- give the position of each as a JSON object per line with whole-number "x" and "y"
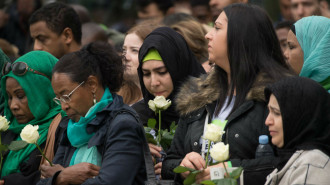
{"x": 271, "y": 132}
{"x": 19, "y": 117}
{"x": 159, "y": 93}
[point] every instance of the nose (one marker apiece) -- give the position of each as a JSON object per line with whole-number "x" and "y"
{"x": 269, "y": 120}
{"x": 64, "y": 106}
{"x": 154, "y": 80}
{"x": 127, "y": 57}
{"x": 13, "y": 105}
{"x": 208, "y": 35}
{"x": 37, "y": 45}
{"x": 212, "y": 2}
{"x": 300, "y": 11}
{"x": 286, "y": 54}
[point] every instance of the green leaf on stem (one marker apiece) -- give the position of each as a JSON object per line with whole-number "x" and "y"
{"x": 3, "y": 148}
{"x": 17, "y": 145}
{"x": 166, "y": 139}
{"x": 152, "y": 123}
{"x": 236, "y": 173}
{"x": 208, "y": 182}
{"x": 173, "y": 128}
{"x": 182, "y": 169}
{"x": 191, "y": 178}
{"x": 150, "y": 138}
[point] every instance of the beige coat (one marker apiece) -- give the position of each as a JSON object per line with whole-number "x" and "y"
{"x": 303, "y": 168}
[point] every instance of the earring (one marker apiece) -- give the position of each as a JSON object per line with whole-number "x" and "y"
{"x": 94, "y": 99}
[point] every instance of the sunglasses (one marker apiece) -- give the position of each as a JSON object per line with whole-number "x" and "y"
{"x": 19, "y": 69}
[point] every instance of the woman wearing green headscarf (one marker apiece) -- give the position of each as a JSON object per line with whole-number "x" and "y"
{"x": 308, "y": 50}
{"x": 28, "y": 98}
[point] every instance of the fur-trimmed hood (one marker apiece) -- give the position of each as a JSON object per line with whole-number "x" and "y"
{"x": 195, "y": 93}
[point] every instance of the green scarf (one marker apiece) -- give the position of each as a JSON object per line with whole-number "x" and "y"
{"x": 79, "y": 137}
{"x": 40, "y": 94}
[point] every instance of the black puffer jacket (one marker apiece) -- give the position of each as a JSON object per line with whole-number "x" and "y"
{"x": 243, "y": 129}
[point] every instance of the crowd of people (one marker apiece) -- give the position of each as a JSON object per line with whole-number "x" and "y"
{"x": 88, "y": 90}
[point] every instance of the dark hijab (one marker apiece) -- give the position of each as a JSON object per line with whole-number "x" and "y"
{"x": 305, "y": 110}
{"x": 178, "y": 60}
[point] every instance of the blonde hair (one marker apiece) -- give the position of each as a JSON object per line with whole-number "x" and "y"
{"x": 194, "y": 34}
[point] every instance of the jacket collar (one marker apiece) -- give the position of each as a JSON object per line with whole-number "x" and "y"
{"x": 205, "y": 90}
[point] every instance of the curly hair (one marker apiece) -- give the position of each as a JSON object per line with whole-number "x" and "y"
{"x": 98, "y": 59}
{"x": 59, "y": 16}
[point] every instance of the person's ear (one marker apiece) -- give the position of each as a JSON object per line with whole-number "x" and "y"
{"x": 92, "y": 83}
{"x": 68, "y": 35}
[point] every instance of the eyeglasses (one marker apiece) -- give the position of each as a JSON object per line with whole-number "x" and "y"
{"x": 66, "y": 98}
{"x": 19, "y": 69}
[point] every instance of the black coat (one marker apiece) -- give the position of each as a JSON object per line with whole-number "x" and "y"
{"x": 243, "y": 129}
{"x": 243, "y": 141}
{"x": 118, "y": 137}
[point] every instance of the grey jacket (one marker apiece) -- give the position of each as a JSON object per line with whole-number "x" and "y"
{"x": 304, "y": 167}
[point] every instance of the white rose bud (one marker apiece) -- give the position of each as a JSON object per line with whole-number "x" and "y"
{"x": 213, "y": 133}
{"x": 4, "y": 123}
{"x": 152, "y": 105}
{"x": 30, "y": 134}
{"x": 160, "y": 103}
{"x": 220, "y": 152}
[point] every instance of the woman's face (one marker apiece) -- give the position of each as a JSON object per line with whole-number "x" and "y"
{"x": 81, "y": 98}
{"x": 17, "y": 101}
{"x": 217, "y": 46}
{"x": 294, "y": 53}
{"x": 131, "y": 47}
{"x": 275, "y": 123}
{"x": 156, "y": 78}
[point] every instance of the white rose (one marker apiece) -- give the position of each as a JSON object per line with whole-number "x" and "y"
{"x": 213, "y": 132}
{"x": 4, "y": 123}
{"x": 220, "y": 152}
{"x": 30, "y": 134}
{"x": 160, "y": 103}
{"x": 152, "y": 105}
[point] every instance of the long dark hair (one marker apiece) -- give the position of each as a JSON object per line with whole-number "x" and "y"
{"x": 253, "y": 48}
{"x": 98, "y": 59}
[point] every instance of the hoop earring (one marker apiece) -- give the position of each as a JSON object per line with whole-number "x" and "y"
{"x": 94, "y": 99}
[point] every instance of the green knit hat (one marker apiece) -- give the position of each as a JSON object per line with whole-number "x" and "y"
{"x": 152, "y": 55}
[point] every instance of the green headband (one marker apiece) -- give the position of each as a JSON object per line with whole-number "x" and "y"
{"x": 152, "y": 55}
